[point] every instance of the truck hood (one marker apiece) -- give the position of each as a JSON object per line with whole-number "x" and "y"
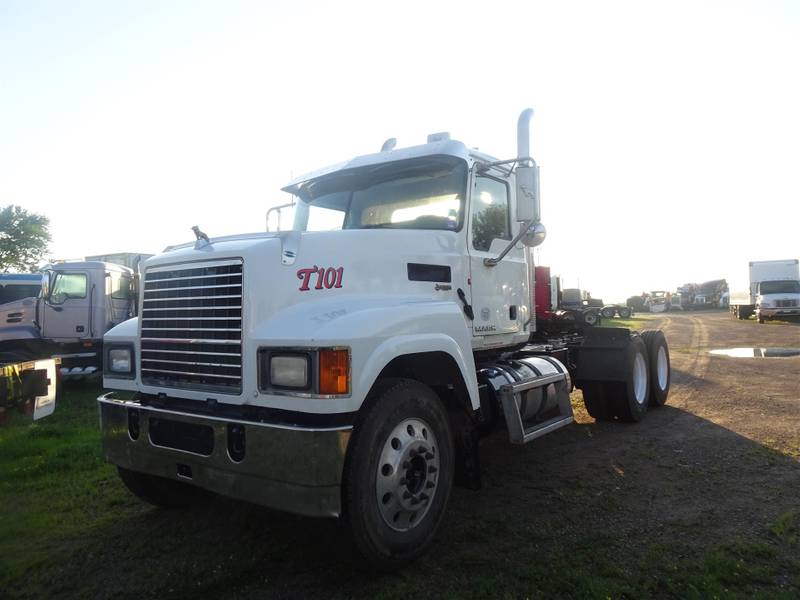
{"x": 18, "y": 312}
{"x": 327, "y": 270}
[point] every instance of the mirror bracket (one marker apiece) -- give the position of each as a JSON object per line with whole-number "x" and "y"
{"x": 523, "y": 231}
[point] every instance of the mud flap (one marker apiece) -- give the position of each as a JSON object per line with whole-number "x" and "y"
{"x": 601, "y": 357}
{"x": 465, "y": 440}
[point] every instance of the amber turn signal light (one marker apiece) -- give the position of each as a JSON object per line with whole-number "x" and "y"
{"x": 334, "y": 371}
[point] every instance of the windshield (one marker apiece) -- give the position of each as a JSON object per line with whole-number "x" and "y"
{"x": 411, "y": 194}
{"x": 779, "y": 287}
{"x": 13, "y": 292}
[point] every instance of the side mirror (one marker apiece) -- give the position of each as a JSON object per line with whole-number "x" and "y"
{"x": 45, "y": 284}
{"x": 528, "y": 193}
{"x": 534, "y": 236}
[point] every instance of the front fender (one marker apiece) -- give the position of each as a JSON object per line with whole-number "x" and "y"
{"x": 377, "y": 329}
{"x": 415, "y": 344}
{"x": 127, "y": 331}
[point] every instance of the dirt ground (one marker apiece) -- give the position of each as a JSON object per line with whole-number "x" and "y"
{"x": 593, "y": 510}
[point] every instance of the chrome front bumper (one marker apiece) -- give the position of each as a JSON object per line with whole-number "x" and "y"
{"x": 292, "y": 469}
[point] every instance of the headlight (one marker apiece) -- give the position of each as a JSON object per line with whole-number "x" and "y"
{"x": 289, "y": 371}
{"x": 120, "y": 360}
{"x": 315, "y": 371}
{"x": 765, "y": 304}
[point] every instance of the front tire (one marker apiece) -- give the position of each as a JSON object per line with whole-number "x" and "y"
{"x": 608, "y": 312}
{"x": 624, "y": 312}
{"x": 398, "y": 474}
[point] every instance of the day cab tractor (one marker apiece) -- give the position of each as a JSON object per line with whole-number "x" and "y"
{"x": 76, "y": 303}
{"x": 349, "y": 366}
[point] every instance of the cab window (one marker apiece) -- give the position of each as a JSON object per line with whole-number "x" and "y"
{"x": 121, "y": 286}
{"x": 68, "y": 285}
{"x": 490, "y": 213}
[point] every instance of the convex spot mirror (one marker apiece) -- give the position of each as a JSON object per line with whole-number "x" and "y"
{"x": 528, "y": 193}
{"x": 534, "y": 236}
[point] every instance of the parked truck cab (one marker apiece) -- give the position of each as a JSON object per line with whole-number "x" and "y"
{"x": 78, "y": 302}
{"x": 347, "y": 367}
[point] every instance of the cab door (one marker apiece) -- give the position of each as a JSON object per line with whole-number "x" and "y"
{"x": 498, "y": 293}
{"x": 65, "y": 311}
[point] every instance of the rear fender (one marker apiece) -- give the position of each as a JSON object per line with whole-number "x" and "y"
{"x": 601, "y": 357}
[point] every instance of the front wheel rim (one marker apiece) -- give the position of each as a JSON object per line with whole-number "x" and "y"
{"x": 407, "y": 474}
{"x": 639, "y": 378}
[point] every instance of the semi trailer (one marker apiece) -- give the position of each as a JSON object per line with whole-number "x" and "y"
{"x": 774, "y": 291}
{"x": 351, "y": 371}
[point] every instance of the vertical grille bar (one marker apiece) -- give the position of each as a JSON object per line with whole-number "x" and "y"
{"x": 191, "y": 326}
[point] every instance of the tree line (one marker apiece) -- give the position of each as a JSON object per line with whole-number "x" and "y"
{"x": 24, "y": 239}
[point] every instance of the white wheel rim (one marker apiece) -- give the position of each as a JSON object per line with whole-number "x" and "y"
{"x": 662, "y": 368}
{"x": 640, "y": 378}
{"x": 407, "y": 475}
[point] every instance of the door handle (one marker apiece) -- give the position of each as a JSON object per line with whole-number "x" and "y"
{"x": 467, "y": 308}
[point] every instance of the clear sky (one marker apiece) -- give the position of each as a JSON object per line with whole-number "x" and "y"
{"x": 668, "y": 133}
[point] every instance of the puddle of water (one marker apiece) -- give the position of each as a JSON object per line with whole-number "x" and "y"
{"x": 757, "y": 352}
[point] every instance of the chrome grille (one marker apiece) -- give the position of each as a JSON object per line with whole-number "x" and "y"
{"x": 785, "y": 303}
{"x": 191, "y": 326}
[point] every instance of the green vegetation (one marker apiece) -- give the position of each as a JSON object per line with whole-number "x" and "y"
{"x": 635, "y": 322}
{"x": 68, "y": 529}
{"x": 24, "y": 237}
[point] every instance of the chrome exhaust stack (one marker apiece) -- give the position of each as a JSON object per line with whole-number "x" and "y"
{"x": 523, "y": 137}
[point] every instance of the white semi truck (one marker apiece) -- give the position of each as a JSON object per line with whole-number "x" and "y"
{"x": 774, "y": 291}
{"x": 350, "y": 372}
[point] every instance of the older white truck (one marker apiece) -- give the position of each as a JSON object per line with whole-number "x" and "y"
{"x": 774, "y": 291}
{"x": 348, "y": 367}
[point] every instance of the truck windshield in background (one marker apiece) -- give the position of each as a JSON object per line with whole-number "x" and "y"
{"x": 779, "y": 287}
{"x": 12, "y": 293}
{"x": 16, "y": 286}
{"x": 411, "y": 194}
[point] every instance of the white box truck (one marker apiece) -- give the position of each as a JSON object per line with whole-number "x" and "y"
{"x": 774, "y": 291}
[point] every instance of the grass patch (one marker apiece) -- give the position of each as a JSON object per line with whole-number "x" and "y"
{"x": 636, "y": 323}
{"x": 69, "y": 529}
{"x": 787, "y": 527}
{"x": 50, "y": 474}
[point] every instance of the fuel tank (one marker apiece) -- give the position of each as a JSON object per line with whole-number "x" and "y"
{"x": 536, "y": 403}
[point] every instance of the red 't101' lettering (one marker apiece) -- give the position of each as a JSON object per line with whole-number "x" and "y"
{"x": 326, "y": 278}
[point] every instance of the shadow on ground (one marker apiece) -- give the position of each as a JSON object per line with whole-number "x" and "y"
{"x": 668, "y": 507}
